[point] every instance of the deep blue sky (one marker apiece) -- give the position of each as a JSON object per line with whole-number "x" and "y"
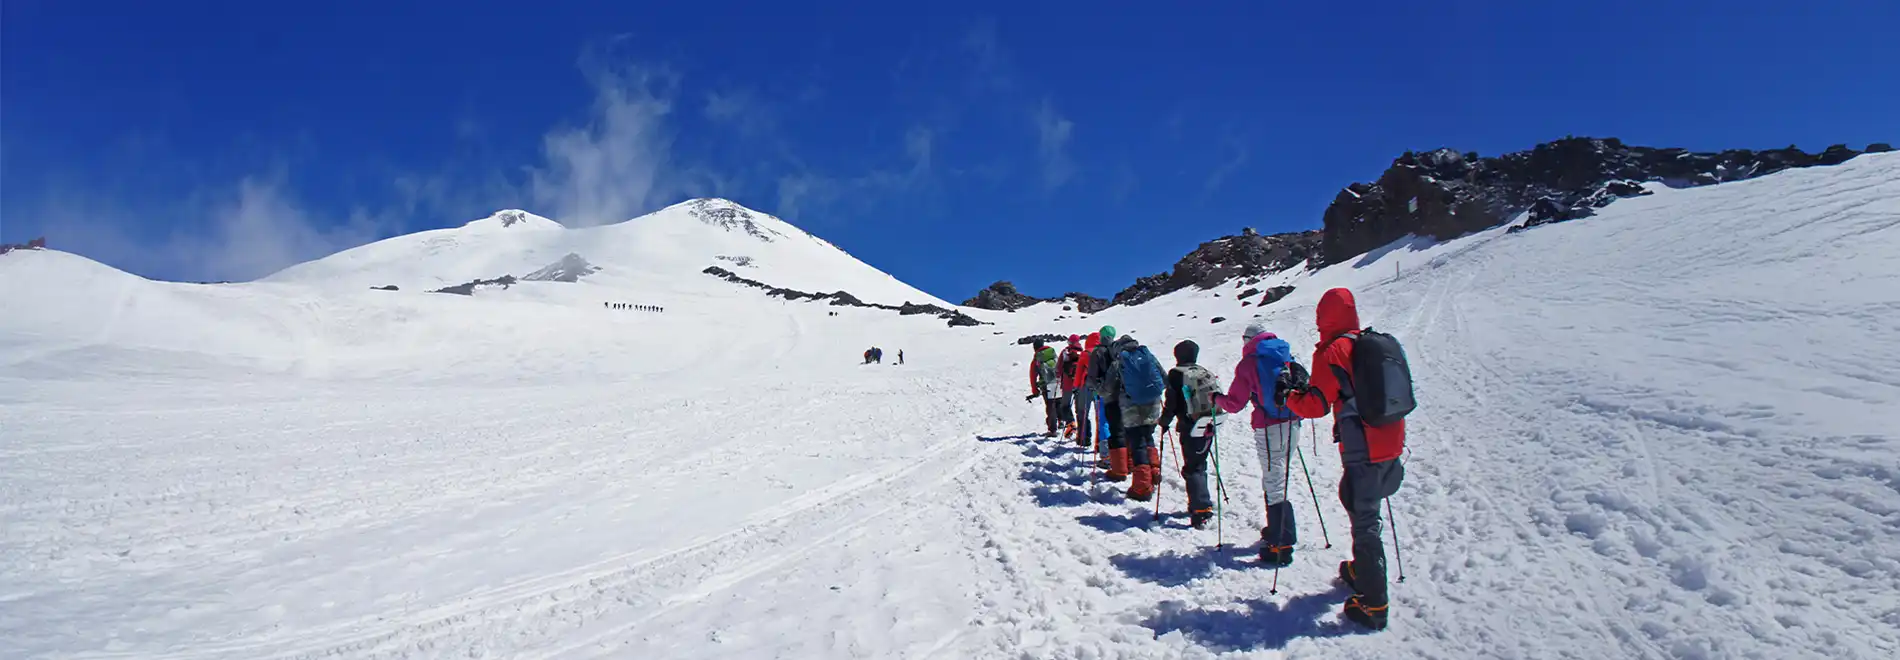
{"x": 1064, "y": 145}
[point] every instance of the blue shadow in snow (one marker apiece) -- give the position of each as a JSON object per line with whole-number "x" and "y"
{"x": 1059, "y": 497}
{"x": 1116, "y": 524}
{"x": 1175, "y": 569}
{"x": 1263, "y": 625}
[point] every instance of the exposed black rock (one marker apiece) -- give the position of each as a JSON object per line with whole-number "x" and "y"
{"x": 468, "y": 289}
{"x": 570, "y": 268}
{"x": 386, "y": 287}
{"x": 1217, "y": 319}
{"x": 1003, "y": 296}
{"x": 1443, "y": 194}
{"x": 844, "y": 299}
{"x": 1275, "y": 294}
{"x": 35, "y": 244}
{"x": 1044, "y": 338}
{"x": 1879, "y": 148}
{"x": 1224, "y": 259}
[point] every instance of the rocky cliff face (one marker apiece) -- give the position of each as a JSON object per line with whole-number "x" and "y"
{"x": 1443, "y": 194}
{"x": 1003, "y": 296}
{"x": 1223, "y": 260}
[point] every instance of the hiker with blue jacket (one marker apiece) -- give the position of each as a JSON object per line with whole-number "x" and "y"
{"x": 1137, "y": 383}
{"x": 1263, "y": 358}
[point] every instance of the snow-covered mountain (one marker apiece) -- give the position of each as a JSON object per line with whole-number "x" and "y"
{"x": 1665, "y": 431}
{"x": 656, "y": 254}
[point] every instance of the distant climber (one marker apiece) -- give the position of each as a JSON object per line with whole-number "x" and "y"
{"x": 1100, "y": 361}
{"x": 1045, "y": 381}
{"x": 1368, "y": 452}
{"x": 900, "y": 356}
{"x": 1065, "y": 370}
{"x": 1190, "y": 407}
{"x": 1263, "y": 357}
{"x": 1085, "y": 399}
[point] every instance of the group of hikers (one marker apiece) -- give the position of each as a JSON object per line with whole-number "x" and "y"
{"x": 634, "y": 307}
{"x": 876, "y": 355}
{"x": 1358, "y": 376}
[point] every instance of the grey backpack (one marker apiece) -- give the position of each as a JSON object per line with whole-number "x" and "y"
{"x": 1199, "y": 387}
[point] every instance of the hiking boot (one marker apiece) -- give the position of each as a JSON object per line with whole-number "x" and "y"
{"x": 1199, "y": 519}
{"x": 1371, "y": 616}
{"x": 1144, "y": 483}
{"x": 1101, "y": 464}
{"x": 1082, "y": 442}
{"x": 1345, "y": 574}
{"x": 1276, "y": 556}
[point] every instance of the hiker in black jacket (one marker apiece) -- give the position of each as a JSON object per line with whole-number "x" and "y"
{"x": 1190, "y": 406}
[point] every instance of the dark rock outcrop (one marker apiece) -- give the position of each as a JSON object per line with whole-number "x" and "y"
{"x": 1444, "y": 194}
{"x": 1225, "y": 259}
{"x": 1003, "y": 297}
{"x": 843, "y": 299}
{"x": 468, "y": 288}
{"x": 1274, "y": 294}
{"x": 1879, "y": 148}
{"x": 570, "y": 268}
{"x": 35, "y": 244}
{"x": 385, "y": 287}
{"x": 1044, "y": 338}
{"x": 1217, "y": 319}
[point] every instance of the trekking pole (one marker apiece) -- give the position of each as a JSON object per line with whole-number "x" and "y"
{"x": 1162, "y": 453}
{"x": 1397, "y": 553}
{"x": 1095, "y": 461}
{"x": 1309, "y": 489}
{"x": 1220, "y": 538}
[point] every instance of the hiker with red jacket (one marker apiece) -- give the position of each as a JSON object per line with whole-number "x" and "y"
{"x": 1368, "y": 451}
{"x": 1065, "y": 370}
{"x": 1044, "y": 381}
{"x": 1084, "y": 398}
{"x": 1264, "y": 358}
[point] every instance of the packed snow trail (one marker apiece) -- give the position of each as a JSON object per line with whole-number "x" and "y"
{"x": 1661, "y": 432}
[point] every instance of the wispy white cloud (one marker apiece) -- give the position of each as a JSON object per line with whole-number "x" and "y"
{"x": 1238, "y": 152}
{"x": 613, "y": 166}
{"x": 240, "y": 232}
{"x": 1054, "y": 132}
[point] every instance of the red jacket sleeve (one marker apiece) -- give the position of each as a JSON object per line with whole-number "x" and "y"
{"x": 1081, "y": 375}
{"x": 1319, "y": 400}
{"x": 1240, "y": 392}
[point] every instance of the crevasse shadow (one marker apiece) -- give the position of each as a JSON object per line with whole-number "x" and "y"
{"x": 1263, "y": 625}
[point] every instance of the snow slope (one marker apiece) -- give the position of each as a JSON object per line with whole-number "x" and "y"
{"x": 1662, "y": 432}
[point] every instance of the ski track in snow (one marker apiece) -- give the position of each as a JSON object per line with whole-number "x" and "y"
{"x": 1662, "y": 432}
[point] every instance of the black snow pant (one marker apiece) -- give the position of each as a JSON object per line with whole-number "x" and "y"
{"x": 1052, "y": 413}
{"x": 1195, "y": 454}
{"x": 1065, "y": 409}
{"x": 1083, "y": 402}
{"x": 1362, "y": 489}
{"x": 1112, "y": 434}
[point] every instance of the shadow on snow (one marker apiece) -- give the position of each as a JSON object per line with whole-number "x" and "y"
{"x": 1175, "y": 569}
{"x": 1263, "y": 625}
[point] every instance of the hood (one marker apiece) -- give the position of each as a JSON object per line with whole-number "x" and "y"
{"x": 1253, "y": 345}
{"x": 1095, "y": 339}
{"x": 1338, "y": 314}
{"x": 1187, "y": 352}
{"x": 1075, "y": 340}
{"x": 1123, "y": 343}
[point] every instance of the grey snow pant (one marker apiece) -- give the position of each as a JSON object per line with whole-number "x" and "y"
{"x": 1363, "y": 487}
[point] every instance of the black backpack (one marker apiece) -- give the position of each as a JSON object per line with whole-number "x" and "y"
{"x": 1381, "y": 382}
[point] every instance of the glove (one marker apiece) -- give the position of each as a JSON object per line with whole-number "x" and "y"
{"x": 1292, "y": 379}
{"x": 1031, "y": 397}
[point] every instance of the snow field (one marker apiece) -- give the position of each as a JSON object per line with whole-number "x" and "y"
{"x": 1662, "y": 432}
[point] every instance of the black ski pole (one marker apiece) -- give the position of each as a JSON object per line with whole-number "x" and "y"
{"x": 1309, "y": 489}
{"x": 1220, "y": 538}
{"x": 1397, "y": 553}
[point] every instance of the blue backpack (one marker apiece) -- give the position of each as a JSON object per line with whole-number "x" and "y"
{"x": 1269, "y": 359}
{"x": 1142, "y": 379}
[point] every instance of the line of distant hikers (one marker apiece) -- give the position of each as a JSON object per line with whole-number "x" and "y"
{"x": 1359, "y": 376}
{"x": 634, "y": 307}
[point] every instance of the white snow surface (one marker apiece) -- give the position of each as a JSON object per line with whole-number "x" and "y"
{"x": 1667, "y": 431}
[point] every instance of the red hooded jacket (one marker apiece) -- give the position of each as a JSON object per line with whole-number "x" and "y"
{"x": 1338, "y": 315}
{"x": 1080, "y": 379}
